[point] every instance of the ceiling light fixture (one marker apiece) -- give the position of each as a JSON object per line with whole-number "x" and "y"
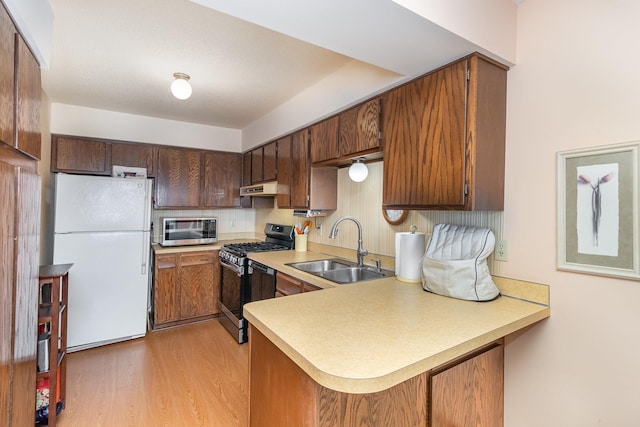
{"x": 180, "y": 88}
{"x": 358, "y": 171}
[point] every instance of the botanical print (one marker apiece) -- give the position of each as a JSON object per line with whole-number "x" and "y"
{"x": 597, "y": 209}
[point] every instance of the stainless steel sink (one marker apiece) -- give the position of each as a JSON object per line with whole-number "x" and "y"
{"x": 352, "y": 274}
{"x": 320, "y": 265}
{"x": 341, "y": 271}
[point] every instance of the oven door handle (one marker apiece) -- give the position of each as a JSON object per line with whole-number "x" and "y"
{"x": 235, "y": 268}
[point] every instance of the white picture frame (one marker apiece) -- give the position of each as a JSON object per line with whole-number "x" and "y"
{"x": 597, "y": 210}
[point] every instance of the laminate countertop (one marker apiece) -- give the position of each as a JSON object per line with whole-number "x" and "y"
{"x": 369, "y": 336}
{"x": 159, "y": 249}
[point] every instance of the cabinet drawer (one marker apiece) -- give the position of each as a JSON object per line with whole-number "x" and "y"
{"x": 287, "y": 285}
{"x": 197, "y": 258}
{"x": 166, "y": 261}
{"x": 307, "y": 287}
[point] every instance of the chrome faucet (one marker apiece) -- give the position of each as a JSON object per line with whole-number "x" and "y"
{"x": 361, "y": 252}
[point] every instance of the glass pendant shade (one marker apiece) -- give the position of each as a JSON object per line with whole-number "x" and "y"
{"x": 180, "y": 88}
{"x": 358, "y": 171}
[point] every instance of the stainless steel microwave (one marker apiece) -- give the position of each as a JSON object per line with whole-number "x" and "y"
{"x": 189, "y": 231}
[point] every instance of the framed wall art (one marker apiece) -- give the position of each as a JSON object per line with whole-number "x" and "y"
{"x": 598, "y": 212}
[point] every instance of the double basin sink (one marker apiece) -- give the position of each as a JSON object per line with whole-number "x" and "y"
{"x": 341, "y": 271}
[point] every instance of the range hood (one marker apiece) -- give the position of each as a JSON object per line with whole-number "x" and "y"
{"x": 310, "y": 213}
{"x": 262, "y": 189}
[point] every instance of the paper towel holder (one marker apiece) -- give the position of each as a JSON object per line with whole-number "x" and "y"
{"x": 395, "y": 216}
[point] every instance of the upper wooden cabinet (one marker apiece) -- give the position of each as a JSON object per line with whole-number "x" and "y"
{"x": 264, "y": 163}
{"x": 20, "y": 91}
{"x": 81, "y": 155}
{"x": 269, "y": 161}
{"x": 302, "y": 186}
{"x": 29, "y": 89}
{"x": 7, "y": 31}
{"x": 352, "y": 133}
{"x": 246, "y": 168}
{"x": 324, "y": 140}
{"x": 178, "y": 181}
{"x": 299, "y": 181}
{"x": 360, "y": 129}
{"x": 185, "y": 177}
{"x": 134, "y": 155}
{"x": 444, "y": 138}
{"x": 284, "y": 172}
{"x": 93, "y": 156}
{"x": 221, "y": 180}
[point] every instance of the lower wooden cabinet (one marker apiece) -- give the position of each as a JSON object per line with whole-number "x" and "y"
{"x": 469, "y": 392}
{"x": 466, "y": 392}
{"x": 186, "y": 287}
{"x": 19, "y": 242}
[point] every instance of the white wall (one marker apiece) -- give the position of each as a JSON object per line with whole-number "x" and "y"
{"x": 84, "y": 121}
{"x": 35, "y": 20}
{"x": 575, "y": 85}
{"x": 488, "y": 23}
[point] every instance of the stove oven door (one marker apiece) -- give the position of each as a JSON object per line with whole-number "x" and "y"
{"x": 233, "y": 289}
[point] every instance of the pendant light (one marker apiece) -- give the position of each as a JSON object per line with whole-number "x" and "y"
{"x": 180, "y": 88}
{"x": 358, "y": 171}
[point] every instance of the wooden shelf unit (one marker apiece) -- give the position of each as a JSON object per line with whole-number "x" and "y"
{"x": 54, "y": 313}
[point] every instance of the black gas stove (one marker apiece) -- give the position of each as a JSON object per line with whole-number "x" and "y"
{"x": 278, "y": 238}
{"x": 244, "y": 280}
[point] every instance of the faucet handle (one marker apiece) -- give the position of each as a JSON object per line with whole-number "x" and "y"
{"x": 377, "y": 261}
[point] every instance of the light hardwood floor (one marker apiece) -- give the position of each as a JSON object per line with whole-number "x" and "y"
{"x": 194, "y": 375}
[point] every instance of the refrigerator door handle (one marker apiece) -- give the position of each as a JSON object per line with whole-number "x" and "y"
{"x": 146, "y": 246}
{"x": 148, "y": 193}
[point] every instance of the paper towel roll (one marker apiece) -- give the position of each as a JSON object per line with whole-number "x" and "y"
{"x": 409, "y": 250}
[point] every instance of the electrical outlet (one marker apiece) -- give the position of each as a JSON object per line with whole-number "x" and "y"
{"x": 233, "y": 223}
{"x": 501, "y": 251}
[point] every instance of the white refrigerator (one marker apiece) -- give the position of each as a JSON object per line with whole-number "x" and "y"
{"x": 102, "y": 226}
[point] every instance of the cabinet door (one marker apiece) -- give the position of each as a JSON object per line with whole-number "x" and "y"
{"x": 134, "y": 155}
{"x": 324, "y": 140}
{"x": 300, "y": 169}
{"x": 470, "y": 393}
{"x": 70, "y": 154}
{"x": 245, "y": 202}
{"x": 165, "y": 295}
{"x": 28, "y": 109}
{"x": 19, "y": 242}
{"x": 25, "y": 336}
{"x": 424, "y": 142}
{"x": 196, "y": 284}
{"x": 269, "y": 161}
{"x": 221, "y": 179}
{"x": 246, "y": 168}
{"x": 7, "y": 113}
{"x": 308, "y": 287}
{"x": 287, "y": 285}
{"x": 8, "y": 191}
{"x": 284, "y": 172}
{"x": 359, "y": 129}
{"x": 256, "y": 165}
{"x": 178, "y": 178}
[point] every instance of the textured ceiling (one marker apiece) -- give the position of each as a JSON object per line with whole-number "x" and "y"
{"x": 120, "y": 55}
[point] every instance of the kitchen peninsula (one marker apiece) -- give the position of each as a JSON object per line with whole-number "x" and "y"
{"x": 382, "y": 352}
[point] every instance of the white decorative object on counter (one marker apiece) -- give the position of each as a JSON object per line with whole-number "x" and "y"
{"x": 455, "y": 263}
{"x": 410, "y": 247}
